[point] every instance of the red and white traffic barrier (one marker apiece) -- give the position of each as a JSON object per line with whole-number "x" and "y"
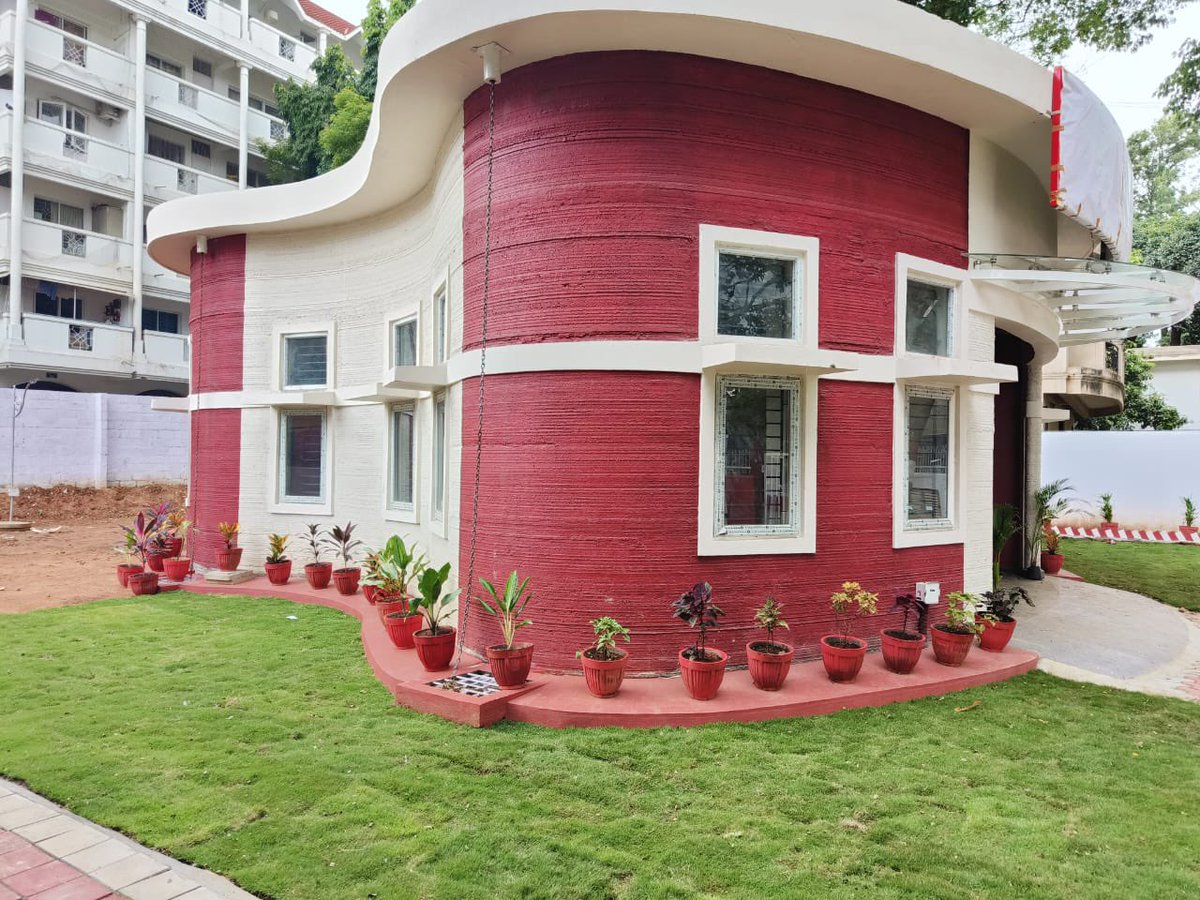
{"x": 1128, "y": 534}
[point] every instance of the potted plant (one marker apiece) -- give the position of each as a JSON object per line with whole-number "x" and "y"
{"x": 1005, "y": 524}
{"x": 1188, "y": 529}
{"x": 1052, "y": 560}
{"x": 395, "y": 565}
{"x": 1108, "y": 526}
{"x": 842, "y": 653}
{"x": 997, "y": 621}
{"x": 603, "y": 663}
{"x": 344, "y": 544}
{"x": 177, "y": 568}
{"x": 701, "y": 668}
{"x": 769, "y": 660}
{"x": 176, "y": 529}
{"x": 230, "y": 556}
{"x": 370, "y": 575}
{"x": 278, "y": 566}
{"x": 132, "y": 564}
{"x": 435, "y": 642}
{"x": 157, "y": 553}
{"x": 510, "y": 662}
{"x": 317, "y": 573}
{"x": 902, "y": 648}
{"x": 953, "y": 638}
{"x": 398, "y": 614}
{"x": 139, "y": 538}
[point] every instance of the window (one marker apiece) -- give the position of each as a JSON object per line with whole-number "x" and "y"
{"x": 255, "y": 178}
{"x": 404, "y": 343}
{"x": 402, "y": 456}
{"x": 163, "y": 65}
{"x": 287, "y": 49}
{"x": 46, "y": 302}
{"x": 441, "y": 325}
{"x": 304, "y": 360}
{"x": 235, "y": 94}
{"x": 198, "y": 8}
{"x": 59, "y": 213}
{"x": 757, "y": 456}
{"x": 157, "y": 320}
{"x": 202, "y": 149}
{"x": 54, "y": 20}
{"x": 74, "y": 244}
{"x": 439, "y": 457}
{"x": 164, "y": 149}
{"x": 302, "y": 456}
{"x": 202, "y": 67}
{"x": 307, "y": 38}
{"x": 929, "y": 453}
{"x": 757, "y": 295}
{"x": 928, "y": 318}
{"x": 231, "y": 171}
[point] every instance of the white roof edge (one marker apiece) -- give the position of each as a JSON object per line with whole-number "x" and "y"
{"x": 428, "y": 67}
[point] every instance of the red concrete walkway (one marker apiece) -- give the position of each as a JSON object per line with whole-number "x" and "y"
{"x": 561, "y": 701}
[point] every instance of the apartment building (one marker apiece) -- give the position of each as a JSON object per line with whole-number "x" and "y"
{"x": 111, "y": 107}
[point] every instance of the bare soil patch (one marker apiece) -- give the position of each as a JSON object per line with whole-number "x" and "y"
{"x": 77, "y": 562}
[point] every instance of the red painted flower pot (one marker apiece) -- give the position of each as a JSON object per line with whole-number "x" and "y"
{"x": 996, "y": 635}
{"x": 842, "y": 663}
{"x": 435, "y": 650}
{"x": 1052, "y": 563}
{"x": 1189, "y": 531}
{"x": 174, "y": 546}
{"x": 229, "y": 559}
{"x": 280, "y": 572}
{"x": 369, "y": 591}
{"x": 950, "y": 647}
{"x": 702, "y": 678}
{"x": 401, "y": 627}
{"x": 346, "y": 581}
{"x": 901, "y": 651}
{"x": 318, "y": 575}
{"x": 154, "y": 561}
{"x": 177, "y": 569}
{"x": 769, "y": 670}
{"x": 603, "y": 677}
{"x": 124, "y": 570}
{"x": 510, "y": 666}
{"x": 386, "y": 604}
{"x": 1110, "y": 528}
{"x": 143, "y": 583}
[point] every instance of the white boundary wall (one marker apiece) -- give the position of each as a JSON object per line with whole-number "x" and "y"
{"x": 93, "y": 440}
{"x": 1147, "y": 472}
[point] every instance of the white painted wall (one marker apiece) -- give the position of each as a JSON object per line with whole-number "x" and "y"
{"x": 1176, "y": 375}
{"x": 1147, "y": 472}
{"x": 92, "y": 440}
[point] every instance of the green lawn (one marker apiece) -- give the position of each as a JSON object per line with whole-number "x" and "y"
{"x": 221, "y": 731}
{"x": 1167, "y": 572}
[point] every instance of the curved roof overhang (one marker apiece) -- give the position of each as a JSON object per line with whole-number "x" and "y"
{"x": 1093, "y": 299}
{"x": 429, "y": 65}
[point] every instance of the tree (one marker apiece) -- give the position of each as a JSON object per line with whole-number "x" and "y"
{"x": 344, "y": 134}
{"x": 1160, "y": 156}
{"x": 1172, "y": 242}
{"x": 307, "y": 109}
{"x": 1144, "y": 407}
{"x": 375, "y": 26}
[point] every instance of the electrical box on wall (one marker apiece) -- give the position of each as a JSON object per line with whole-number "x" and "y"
{"x": 929, "y": 592}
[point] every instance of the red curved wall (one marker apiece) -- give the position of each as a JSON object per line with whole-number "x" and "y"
{"x": 216, "y": 320}
{"x": 606, "y": 165}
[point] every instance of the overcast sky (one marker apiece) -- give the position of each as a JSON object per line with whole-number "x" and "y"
{"x": 1126, "y": 82}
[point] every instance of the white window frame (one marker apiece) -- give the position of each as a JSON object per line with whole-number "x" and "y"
{"x": 442, "y": 319}
{"x": 803, "y": 250}
{"x": 440, "y": 456}
{"x": 927, "y": 533}
{"x": 395, "y": 322}
{"x": 310, "y": 329}
{"x": 393, "y": 510}
{"x": 748, "y": 540}
{"x": 913, "y": 268}
{"x": 284, "y": 504}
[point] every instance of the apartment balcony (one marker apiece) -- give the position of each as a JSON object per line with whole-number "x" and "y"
{"x": 1087, "y": 379}
{"x": 55, "y": 344}
{"x": 76, "y": 63}
{"x": 163, "y": 282}
{"x": 289, "y": 51}
{"x": 75, "y": 158}
{"x": 196, "y": 109}
{"x": 86, "y": 258}
{"x": 221, "y": 23}
{"x": 167, "y": 180}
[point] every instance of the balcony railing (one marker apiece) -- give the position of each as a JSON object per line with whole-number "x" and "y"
{"x": 168, "y": 180}
{"x": 156, "y": 278}
{"x": 287, "y": 49}
{"x": 54, "y": 335}
{"x": 85, "y": 252}
{"x": 79, "y": 154}
{"x": 166, "y": 349}
{"x": 190, "y": 103}
{"x": 72, "y": 58}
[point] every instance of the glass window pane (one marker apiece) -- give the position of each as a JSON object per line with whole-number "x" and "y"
{"x": 406, "y": 343}
{"x": 928, "y": 318}
{"x": 441, "y": 325}
{"x": 304, "y": 365}
{"x": 755, "y": 296}
{"x": 439, "y": 457}
{"x": 402, "y": 457}
{"x": 928, "y": 426}
{"x": 303, "y": 444}
{"x": 758, "y": 456}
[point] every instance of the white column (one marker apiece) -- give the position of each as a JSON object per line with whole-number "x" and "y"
{"x": 139, "y": 178}
{"x": 246, "y": 20}
{"x": 1034, "y": 426}
{"x": 322, "y": 41}
{"x": 17, "y": 193}
{"x": 243, "y": 123}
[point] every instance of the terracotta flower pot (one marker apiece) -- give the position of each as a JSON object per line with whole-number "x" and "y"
{"x": 229, "y": 559}
{"x": 124, "y": 570}
{"x": 1110, "y": 527}
{"x": 1052, "y": 563}
{"x": 369, "y": 592}
{"x": 346, "y": 581}
{"x": 901, "y": 651}
{"x": 702, "y": 678}
{"x": 1189, "y": 531}
{"x": 317, "y": 575}
{"x": 279, "y": 572}
{"x": 951, "y": 647}
{"x": 603, "y": 677}
{"x": 143, "y": 583}
{"x": 177, "y": 568}
{"x": 435, "y": 650}
{"x": 154, "y": 561}
{"x": 510, "y": 666}
{"x": 842, "y": 663}
{"x": 174, "y": 546}
{"x": 996, "y": 635}
{"x": 769, "y": 670}
{"x": 386, "y": 604}
{"x": 401, "y": 627}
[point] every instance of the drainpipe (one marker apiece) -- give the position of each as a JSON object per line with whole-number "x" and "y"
{"x": 17, "y": 192}
{"x": 1034, "y": 403}
{"x": 139, "y": 179}
{"x": 243, "y": 124}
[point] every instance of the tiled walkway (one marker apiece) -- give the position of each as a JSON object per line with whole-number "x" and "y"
{"x": 47, "y": 853}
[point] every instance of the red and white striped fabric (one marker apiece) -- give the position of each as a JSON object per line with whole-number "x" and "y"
{"x": 1128, "y": 534}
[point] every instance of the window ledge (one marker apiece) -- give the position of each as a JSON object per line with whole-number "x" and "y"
{"x": 746, "y": 358}
{"x": 324, "y": 508}
{"x": 378, "y": 392}
{"x": 321, "y": 397}
{"x": 754, "y": 545}
{"x": 933, "y": 537}
{"x": 948, "y": 370}
{"x": 405, "y": 516}
{"x": 419, "y": 378}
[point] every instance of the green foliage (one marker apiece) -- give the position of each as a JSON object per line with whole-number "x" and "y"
{"x": 507, "y": 605}
{"x": 314, "y": 535}
{"x": 607, "y": 630}
{"x": 1160, "y": 156}
{"x": 344, "y": 134}
{"x": 377, "y": 22}
{"x": 850, "y": 602}
{"x": 1181, "y": 89}
{"x": 1005, "y": 524}
{"x": 1106, "y": 507}
{"x": 1002, "y": 602}
{"x": 1049, "y": 504}
{"x": 1172, "y": 242}
{"x": 392, "y": 568}
{"x": 1144, "y": 407}
{"x": 1189, "y": 511}
{"x": 278, "y": 548}
{"x": 430, "y": 601}
{"x": 960, "y": 613}
{"x": 1166, "y": 572}
{"x": 770, "y": 617}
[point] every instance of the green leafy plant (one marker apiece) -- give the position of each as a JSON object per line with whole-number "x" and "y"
{"x": 141, "y": 536}
{"x": 128, "y": 548}
{"x": 405, "y": 562}
{"x": 1000, "y": 604}
{"x": 607, "y": 630}
{"x": 696, "y": 607}
{"x": 1049, "y": 538}
{"x": 314, "y": 536}
{"x": 430, "y": 601}
{"x": 1106, "y": 507}
{"x": 1189, "y": 511}
{"x": 229, "y": 533}
{"x": 343, "y": 542}
{"x": 277, "y": 552}
{"x": 1005, "y": 524}
{"x": 1049, "y": 503}
{"x": 960, "y": 613}
{"x": 770, "y": 617}
{"x": 507, "y": 606}
{"x": 848, "y": 604}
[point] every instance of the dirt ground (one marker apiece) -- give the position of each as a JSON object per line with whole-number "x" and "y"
{"x": 77, "y": 562}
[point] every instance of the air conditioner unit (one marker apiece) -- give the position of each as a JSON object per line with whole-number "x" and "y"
{"x": 109, "y": 113}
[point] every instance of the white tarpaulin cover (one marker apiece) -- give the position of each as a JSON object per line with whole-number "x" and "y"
{"x": 1090, "y": 177}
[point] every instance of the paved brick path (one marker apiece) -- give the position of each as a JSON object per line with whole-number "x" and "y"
{"x": 47, "y": 853}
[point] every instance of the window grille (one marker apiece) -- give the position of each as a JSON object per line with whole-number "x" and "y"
{"x": 74, "y": 244}
{"x": 74, "y": 52}
{"x": 187, "y": 181}
{"x": 189, "y": 96}
{"x": 278, "y": 131}
{"x": 305, "y": 361}
{"x": 79, "y": 337}
{"x": 201, "y": 148}
{"x": 287, "y": 49}
{"x": 75, "y": 146}
{"x": 198, "y": 8}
